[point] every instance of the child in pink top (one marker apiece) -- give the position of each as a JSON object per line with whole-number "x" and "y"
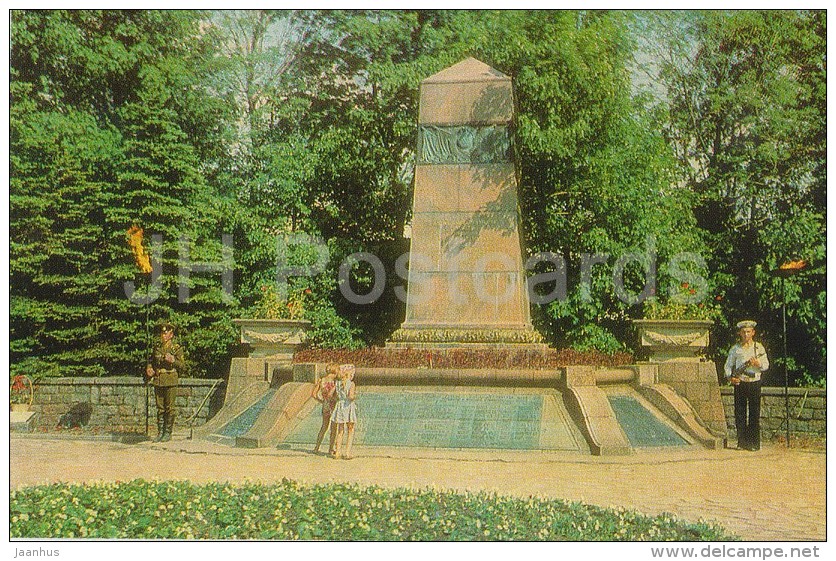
{"x": 324, "y": 392}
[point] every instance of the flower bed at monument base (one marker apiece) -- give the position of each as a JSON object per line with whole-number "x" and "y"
{"x": 378, "y": 357}
{"x": 290, "y": 511}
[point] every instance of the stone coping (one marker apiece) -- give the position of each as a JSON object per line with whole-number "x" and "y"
{"x": 119, "y": 381}
{"x": 278, "y": 321}
{"x": 138, "y": 381}
{"x": 647, "y": 321}
{"x": 778, "y": 391}
{"x": 454, "y": 376}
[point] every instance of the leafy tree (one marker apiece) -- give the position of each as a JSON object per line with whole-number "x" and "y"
{"x": 256, "y": 48}
{"x": 592, "y": 171}
{"x": 276, "y": 163}
{"x": 745, "y": 96}
{"x": 329, "y": 162}
{"x": 263, "y": 124}
{"x": 590, "y": 166}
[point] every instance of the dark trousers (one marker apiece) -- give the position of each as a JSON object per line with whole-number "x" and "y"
{"x": 747, "y": 414}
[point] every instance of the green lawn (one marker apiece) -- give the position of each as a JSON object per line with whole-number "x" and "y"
{"x": 290, "y": 511}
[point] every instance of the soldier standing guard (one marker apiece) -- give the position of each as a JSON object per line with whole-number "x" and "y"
{"x": 166, "y": 362}
{"x": 747, "y": 360}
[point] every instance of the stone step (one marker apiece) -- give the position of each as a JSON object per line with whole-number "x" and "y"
{"x": 22, "y": 421}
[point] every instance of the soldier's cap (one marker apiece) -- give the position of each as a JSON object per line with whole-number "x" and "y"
{"x": 166, "y": 326}
{"x": 746, "y": 323}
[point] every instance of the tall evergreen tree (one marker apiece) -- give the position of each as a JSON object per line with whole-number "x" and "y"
{"x": 104, "y": 137}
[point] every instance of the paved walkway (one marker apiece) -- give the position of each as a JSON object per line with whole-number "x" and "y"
{"x": 774, "y": 494}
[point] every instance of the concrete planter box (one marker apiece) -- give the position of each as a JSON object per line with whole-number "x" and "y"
{"x": 272, "y": 337}
{"x": 671, "y": 340}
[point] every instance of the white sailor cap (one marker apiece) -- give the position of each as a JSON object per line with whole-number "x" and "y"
{"x": 746, "y": 323}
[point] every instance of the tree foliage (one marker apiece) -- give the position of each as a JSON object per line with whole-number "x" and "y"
{"x": 108, "y": 129}
{"x": 745, "y": 97}
{"x": 268, "y": 124}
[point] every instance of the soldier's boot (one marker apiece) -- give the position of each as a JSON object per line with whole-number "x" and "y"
{"x": 160, "y": 429}
{"x": 169, "y": 426}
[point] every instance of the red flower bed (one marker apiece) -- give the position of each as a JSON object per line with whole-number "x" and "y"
{"x": 378, "y": 357}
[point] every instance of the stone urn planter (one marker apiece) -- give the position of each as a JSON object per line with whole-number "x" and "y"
{"x": 272, "y": 337}
{"x": 673, "y": 340}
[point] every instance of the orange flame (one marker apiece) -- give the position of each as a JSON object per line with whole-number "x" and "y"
{"x": 143, "y": 260}
{"x": 800, "y": 264}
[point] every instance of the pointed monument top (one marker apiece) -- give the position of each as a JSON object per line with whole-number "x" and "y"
{"x": 468, "y": 70}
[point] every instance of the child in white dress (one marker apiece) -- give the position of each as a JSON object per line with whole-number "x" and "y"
{"x": 344, "y": 415}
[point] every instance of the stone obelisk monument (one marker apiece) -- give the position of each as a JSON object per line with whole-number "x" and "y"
{"x": 466, "y": 285}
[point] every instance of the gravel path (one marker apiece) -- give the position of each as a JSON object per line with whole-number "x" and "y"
{"x": 774, "y": 494}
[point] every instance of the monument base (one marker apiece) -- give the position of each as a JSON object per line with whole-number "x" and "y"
{"x": 442, "y": 337}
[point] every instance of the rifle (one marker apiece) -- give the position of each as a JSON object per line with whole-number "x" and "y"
{"x": 737, "y": 372}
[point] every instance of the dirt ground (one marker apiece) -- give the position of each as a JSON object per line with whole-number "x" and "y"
{"x": 777, "y": 494}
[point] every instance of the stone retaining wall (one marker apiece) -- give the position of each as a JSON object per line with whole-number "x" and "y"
{"x": 697, "y": 382}
{"x": 118, "y": 402}
{"x": 808, "y": 411}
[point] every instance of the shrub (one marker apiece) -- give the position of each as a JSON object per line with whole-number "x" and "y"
{"x": 376, "y": 357}
{"x": 329, "y": 330}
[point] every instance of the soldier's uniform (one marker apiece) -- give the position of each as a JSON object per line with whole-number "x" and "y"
{"x": 166, "y": 380}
